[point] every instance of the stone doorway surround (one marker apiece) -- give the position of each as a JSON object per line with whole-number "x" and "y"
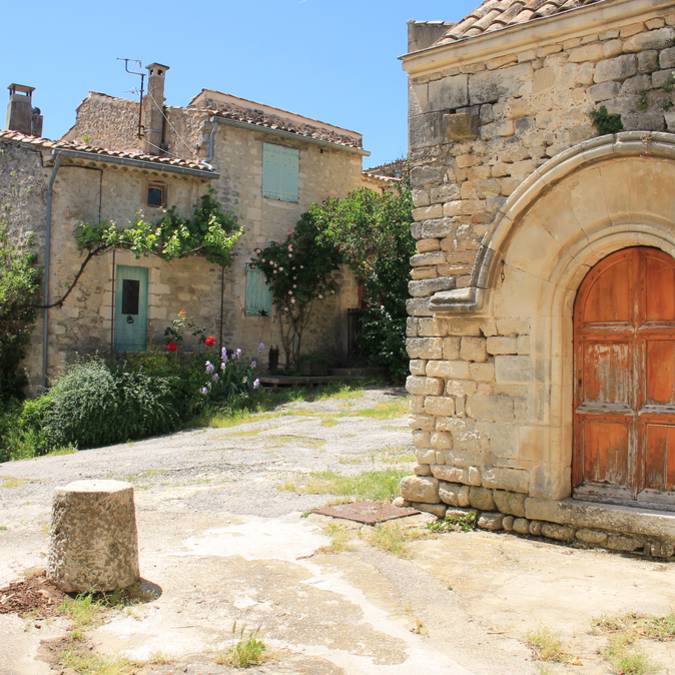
{"x": 603, "y": 195}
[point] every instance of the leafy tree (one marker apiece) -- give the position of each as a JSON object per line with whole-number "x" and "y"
{"x": 300, "y": 271}
{"x": 371, "y": 231}
{"x": 19, "y": 286}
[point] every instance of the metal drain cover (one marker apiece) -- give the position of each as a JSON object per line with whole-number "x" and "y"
{"x": 368, "y": 513}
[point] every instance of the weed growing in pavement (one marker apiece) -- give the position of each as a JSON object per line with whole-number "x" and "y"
{"x": 625, "y": 658}
{"x": 393, "y": 538}
{"x": 248, "y": 650}
{"x": 465, "y": 522}
{"x": 547, "y": 647}
{"x": 340, "y": 538}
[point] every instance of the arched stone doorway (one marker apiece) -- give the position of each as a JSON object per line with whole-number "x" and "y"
{"x": 624, "y": 390}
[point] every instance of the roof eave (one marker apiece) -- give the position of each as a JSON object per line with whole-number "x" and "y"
{"x": 136, "y": 163}
{"x": 602, "y": 15}
{"x": 282, "y": 133}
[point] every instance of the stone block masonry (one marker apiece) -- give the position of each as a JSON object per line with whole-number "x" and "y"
{"x": 507, "y": 223}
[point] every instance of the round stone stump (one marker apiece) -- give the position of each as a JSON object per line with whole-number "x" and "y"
{"x": 93, "y": 540}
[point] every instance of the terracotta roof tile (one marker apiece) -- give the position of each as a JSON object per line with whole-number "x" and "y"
{"x": 263, "y": 116}
{"x": 498, "y": 14}
{"x": 49, "y": 144}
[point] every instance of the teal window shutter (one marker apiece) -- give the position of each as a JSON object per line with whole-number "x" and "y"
{"x": 281, "y": 172}
{"x": 258, "y": 295}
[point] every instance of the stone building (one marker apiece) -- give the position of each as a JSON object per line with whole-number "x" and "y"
{"x": 542, "y": 311}
{"x": 265, "y": 165}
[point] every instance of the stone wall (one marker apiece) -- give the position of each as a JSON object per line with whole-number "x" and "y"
{"x": 479, "y": 129}
{"x": 323, "y": 173}
{"x": 83, "y": 324}
{"x": 515, "y": 199}
{"x": 106, "y": 122}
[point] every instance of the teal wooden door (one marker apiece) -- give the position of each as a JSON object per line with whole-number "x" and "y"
{"x": 131, "y": 309}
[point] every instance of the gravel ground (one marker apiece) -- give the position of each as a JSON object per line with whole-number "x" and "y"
{"x": 222, "y": 543}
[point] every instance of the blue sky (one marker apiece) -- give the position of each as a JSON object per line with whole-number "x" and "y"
{"x": 335, "y": 60}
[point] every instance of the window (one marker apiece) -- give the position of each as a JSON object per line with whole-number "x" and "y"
{"x": 281, "y": 168}
{"x": 258, "y": 295}
{"x": 156, "y": 195}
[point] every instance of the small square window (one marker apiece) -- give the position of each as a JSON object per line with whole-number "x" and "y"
{"x": 156, "y": 195}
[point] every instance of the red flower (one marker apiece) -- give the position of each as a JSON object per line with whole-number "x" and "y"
{"x": 209, "y": 340}
{"x": 171, "y": 346}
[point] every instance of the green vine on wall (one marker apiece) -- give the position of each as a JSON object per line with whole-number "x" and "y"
{"x": 210, "y": 232}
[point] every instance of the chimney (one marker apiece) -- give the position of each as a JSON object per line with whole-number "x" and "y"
{"x": 153, "y": 114}
{"x": 422, "y": 34}
{"x": 20, "y": 109}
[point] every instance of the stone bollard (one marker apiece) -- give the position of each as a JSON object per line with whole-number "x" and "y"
{"x": 93, "y": 540}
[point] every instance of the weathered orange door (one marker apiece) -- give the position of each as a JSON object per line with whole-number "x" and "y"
{"x": 624, "y": 347}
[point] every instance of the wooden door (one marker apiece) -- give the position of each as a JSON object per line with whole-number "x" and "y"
{"x": 624, "y": 348}
{"x": 131, "y": 309}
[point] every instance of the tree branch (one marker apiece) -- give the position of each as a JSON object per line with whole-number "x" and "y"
{"x": 85, "y": 262}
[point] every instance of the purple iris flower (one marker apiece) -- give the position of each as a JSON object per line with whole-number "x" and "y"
{"x": 204, "y": 391}
{"x": 254, "y": 363}
{"x": 256, "y": 383}
{"x": 210, "y": 368}
{"x": 261, "y": 348}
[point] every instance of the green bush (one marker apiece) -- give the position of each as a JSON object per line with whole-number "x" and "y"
{"x": 96, "y": 405}
{"x": 19, "y": 285}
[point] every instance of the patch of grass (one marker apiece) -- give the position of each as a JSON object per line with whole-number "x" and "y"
{"x": 340, "y": 538}
{"x": 625, "y": 658}
{"x": 11, "y": 482}
{"x": 65, "y": 450}
{"x": 3, "y": 528}
{"x": 249, "y": 433}
{"x": 302, "y": 441}
{"x": 87, "y": 610}
{"x": 84, "y": 610}
{"x": 247, "y": 652}
{"x": 340, "y": 392}
{"x": 88, "y": 663}
{"x": 389, "y": 537}
{"x": 329, "y": 422}
{"x": 386, "y": 410}
{"x": 547, "y": 647}
{"x": 373, "y": 485}
{"x": 141, "y": 475}
{"x": 159, "y": 659}
{"x": 454, "y": 523}
{"x": 661, "y": 628}
{"x": 225, "y": 419}
{"x": 394, "y": 455}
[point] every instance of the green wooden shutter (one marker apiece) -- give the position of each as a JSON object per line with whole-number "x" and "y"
{"x": 258, "y": 295}
{"x": 281, "y": 172}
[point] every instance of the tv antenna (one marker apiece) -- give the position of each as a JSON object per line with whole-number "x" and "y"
{"x": 140, "y": 102}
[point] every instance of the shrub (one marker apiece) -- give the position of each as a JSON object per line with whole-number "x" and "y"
{"x": 372, "y": 233}
{"x": 95, "y": 405}
{"x": 19, "y": 285}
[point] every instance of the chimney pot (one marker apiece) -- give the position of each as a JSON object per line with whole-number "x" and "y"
{"x": 20, "y": 108}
